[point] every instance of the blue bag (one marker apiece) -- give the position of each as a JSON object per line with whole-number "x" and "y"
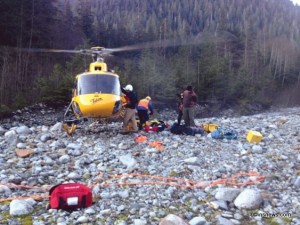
{"x": 217, "y": 134}
{"x": 228, "y": 134}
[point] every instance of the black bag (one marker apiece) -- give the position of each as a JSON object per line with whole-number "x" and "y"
{"x": 193, "y": 131}
{"x": 188, "y": 130}
{"x": 182, "y": 129}
{"x": 177, "y": 129}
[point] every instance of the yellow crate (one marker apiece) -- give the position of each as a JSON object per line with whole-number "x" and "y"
{"x": 209, "y": 127}
{"x": 254, "y": 136}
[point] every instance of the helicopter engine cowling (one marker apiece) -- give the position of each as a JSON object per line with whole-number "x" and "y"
{"x": 98, "y": 66}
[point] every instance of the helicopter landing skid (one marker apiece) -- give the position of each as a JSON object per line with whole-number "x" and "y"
{"x": 69, "y": 129}
{"x": 71, "y": 123}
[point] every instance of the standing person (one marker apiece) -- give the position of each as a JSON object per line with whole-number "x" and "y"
{"x": 130, "y": 109}
{"x": 189, "y": 103}
{"x": 143, "y": 107}
{"x": 180, "y": 108}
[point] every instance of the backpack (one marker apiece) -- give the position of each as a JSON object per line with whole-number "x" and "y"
{"x": 70, "y": 196}
{"x": 193, "y": 130}
{"x": 182, "y": 129}
{"x": 209, "y": 127}
{"x": 155, "y": 125}
{"x": 188, "y": 130}
{"x": 177, "y": 129}
{"x": 228, "y": 134}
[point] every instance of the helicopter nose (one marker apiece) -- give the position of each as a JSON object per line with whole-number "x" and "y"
{"x": 100, "y": 105}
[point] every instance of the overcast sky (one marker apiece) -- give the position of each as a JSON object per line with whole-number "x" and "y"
{"x": 296, "y": 1}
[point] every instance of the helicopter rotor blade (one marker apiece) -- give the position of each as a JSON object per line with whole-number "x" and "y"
{"x": 175, "y": 42}
{"x": 81, "y": 51}
{"x": 50, "y": 50}
{"x": 153, "y": 44}
{"x": 200, "y": 38}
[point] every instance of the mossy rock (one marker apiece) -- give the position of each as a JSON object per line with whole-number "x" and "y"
{"x": 22, "y": 219}
{"x": 278, "y": 220}
{"x": 5, "y": 111}
{"x": 172, "y": 173}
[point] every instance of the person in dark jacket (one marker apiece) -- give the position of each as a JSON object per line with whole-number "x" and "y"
{"x": 189, "y": 103}
{"x": 144, "y": 106}
{"x": 180, "y": 108}
{"x": 130, "y": 106}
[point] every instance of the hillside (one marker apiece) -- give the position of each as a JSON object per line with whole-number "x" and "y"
{"x": 233, "y": 52}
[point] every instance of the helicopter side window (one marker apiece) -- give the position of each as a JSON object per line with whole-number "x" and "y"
{"x": 75, "y": 88}
{"x": 95, "y": 83}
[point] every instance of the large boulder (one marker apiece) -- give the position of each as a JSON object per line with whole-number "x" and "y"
{"x": 172, "y": 219}
{"x": 227, "y": 194}
{"x": 248, "y": 199}
{"x": 20, "y": 207}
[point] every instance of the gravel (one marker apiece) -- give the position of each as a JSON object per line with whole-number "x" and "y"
{"x": 185, "y": 180}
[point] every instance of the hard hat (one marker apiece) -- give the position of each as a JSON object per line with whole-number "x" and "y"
{"x": 128, "y": 87}
{"x": 148, "y": 98}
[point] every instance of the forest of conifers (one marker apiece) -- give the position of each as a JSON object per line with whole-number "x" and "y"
{"x": 233, "y": 52}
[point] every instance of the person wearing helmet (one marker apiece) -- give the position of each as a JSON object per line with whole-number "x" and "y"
{"x": 130, "y": 106}
{"x": 189, "y": 103}
{"x": 144, "y": 106}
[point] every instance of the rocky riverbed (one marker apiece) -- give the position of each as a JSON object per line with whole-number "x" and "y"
{"x": 185, "y": 179}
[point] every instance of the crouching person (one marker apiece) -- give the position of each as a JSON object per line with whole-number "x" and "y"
{"x": 144, "y": 107}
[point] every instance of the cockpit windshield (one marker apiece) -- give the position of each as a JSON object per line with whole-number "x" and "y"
{"x": 98, "y": 83}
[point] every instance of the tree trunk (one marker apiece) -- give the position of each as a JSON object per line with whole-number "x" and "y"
{"x": 2, "y": 83}
{"x": 284, "y": 72}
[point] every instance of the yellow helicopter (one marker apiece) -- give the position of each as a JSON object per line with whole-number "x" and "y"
{"x": 96, "y": 93}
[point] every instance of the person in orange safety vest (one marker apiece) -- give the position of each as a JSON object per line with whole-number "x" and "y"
{"x": 144, "y": 106}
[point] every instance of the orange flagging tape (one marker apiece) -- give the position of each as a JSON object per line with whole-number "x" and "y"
{"x": 256, "y": 178}
{"x": 157, "y": 144}
{"x": 140, "y": 139}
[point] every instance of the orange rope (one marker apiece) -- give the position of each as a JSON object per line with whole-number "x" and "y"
{"x": 241, "y": 174}
{"x": 24, "y": 186}
{"x": 192, "y": 184}
{"x": 169, "y": 181}
{"x": 25, "y": 197}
